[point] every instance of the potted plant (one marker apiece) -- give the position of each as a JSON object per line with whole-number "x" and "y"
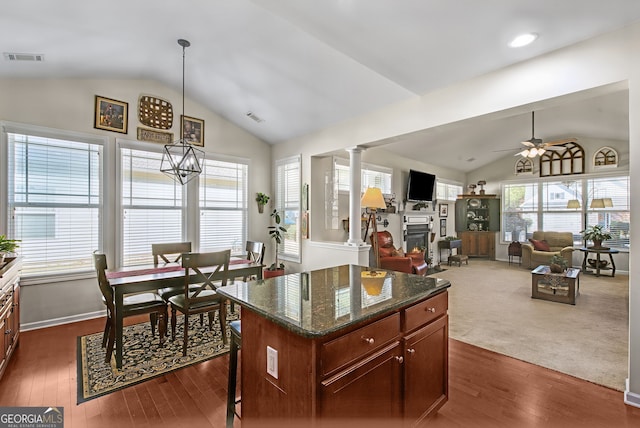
{"x": 262, "y": 200}
{"x": 7, "y": 246}
{"x": 597, "y": 234}
{"x": 276, "y": 233}
{"x": 558, "y": 264}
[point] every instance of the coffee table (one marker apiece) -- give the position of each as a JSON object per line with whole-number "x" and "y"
{"x": 556, "y": 287}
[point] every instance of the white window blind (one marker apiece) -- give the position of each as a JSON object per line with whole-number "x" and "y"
{"x": 615, "y": 218}
{"x": 447, "y": 191}
{"x": 54, "y": 200}
{"x": 288, "y": 204}
{"x": 372, "y": 176}
{"x": 152, "y": 206}
{"x": 223, "y": 206}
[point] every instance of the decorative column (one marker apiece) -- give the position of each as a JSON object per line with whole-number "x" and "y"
{"x": 355, "y": 184}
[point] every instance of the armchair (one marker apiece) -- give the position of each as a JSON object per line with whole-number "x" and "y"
{"x": 393, "y": 259}
{"x": 558, "y": 243}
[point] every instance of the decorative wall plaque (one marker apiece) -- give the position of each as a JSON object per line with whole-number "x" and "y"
{"x": 155, "y": 112}
{"x": 155, "y": 136}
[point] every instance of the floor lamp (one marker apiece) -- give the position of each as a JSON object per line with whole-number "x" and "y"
{"x": 373, "y": 200}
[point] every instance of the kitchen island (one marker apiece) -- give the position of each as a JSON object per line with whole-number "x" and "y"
{"x": 342, "y": 344}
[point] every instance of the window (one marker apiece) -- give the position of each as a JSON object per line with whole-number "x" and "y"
{"x": 446, "y": 191}
{"x": 152, "y": 205}
{"x": 54, "y": 198}
{"x": 287, "y": 199}
{"x": 223, "y": 206}
{"x": 372, "y": 176}
{"x": 542, "y": 205}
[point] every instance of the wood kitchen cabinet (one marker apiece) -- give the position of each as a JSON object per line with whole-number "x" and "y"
{"x": 479, "y": 244}
{"x": 9, "y": 310}
{"x": 382, "y": 356}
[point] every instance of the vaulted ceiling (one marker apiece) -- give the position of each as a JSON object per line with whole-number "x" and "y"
{"x": 304, "y": 65}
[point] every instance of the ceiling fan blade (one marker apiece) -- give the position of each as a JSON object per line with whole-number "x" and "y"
{"x": 528, "y": 143}
{"x": 563, "y": 141}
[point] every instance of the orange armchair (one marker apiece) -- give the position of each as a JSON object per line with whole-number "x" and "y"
{"x": 393, "y": 259}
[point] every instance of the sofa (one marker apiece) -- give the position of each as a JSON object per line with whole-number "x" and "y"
{"x": 392, "y": 258}
{"x": 544, "y": 245}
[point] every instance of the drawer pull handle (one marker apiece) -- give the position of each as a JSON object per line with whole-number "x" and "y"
{"x": 432, "y": 310}
{"x": 411, "y": 351}
{"x": 368, "y": 340}
{"x": 7, "y": 331}
{"x": 400, "y": 359}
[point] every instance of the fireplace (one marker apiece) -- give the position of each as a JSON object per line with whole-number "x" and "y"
{"x": 416, "y": 229}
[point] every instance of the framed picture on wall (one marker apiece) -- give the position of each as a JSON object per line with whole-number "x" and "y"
{"x": 444, "y": 210}
{"x": 111, "y": 115}
{"x": 193, "y": 130}
{"x": 443, "y": 227}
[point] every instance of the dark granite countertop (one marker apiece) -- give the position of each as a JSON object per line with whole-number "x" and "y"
{"x": 320, "y": 302}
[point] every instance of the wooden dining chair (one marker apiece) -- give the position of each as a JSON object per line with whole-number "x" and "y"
{"x": 137, "y": 304}
{"x": 255, "y": 251}
{"x": 204, "y": 299}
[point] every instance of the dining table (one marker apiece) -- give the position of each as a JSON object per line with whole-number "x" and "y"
{"x": 136, "y": 279}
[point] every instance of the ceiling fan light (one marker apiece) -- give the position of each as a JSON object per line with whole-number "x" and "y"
{"x": 533, "y": 152}
{"x": 541, "y": 152}
{"x": 524, "y": 153}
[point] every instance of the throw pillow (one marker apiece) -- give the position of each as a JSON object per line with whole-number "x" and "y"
{"x": 540, "y": 245}
{"x": 397, "y": 252}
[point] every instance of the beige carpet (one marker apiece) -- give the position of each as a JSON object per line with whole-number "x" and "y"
{"x": 490, "y": 306}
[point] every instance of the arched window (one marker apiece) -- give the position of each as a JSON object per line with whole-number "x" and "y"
{"x": 562, "y": 162}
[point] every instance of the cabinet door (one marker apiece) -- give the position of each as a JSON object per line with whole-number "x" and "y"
{"x": 15, "y": 315}
{"x": 4, "y": 342}
{"x": 371, "y": 388}
{"x": 494, "y": 214}
{"x": 484, "y": 244}
{"x": 461, "y": 215}
{"x": 426, "y": 366}
{"x": 469, "y": 244}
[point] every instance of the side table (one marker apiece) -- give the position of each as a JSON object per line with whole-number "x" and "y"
{"x": 449, "y": 245}
{"x": 598, "y": 267}
{"x": 515, "y": 250}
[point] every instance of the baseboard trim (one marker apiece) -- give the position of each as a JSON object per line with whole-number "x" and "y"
{"x": 631, "y": 398}
{"x": 60, "y": 321}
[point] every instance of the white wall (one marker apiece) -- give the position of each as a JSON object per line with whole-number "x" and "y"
{"x": 606, "y": 60}
{"x": 69, "y": 105}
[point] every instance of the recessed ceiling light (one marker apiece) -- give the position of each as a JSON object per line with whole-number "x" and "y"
{"x": 523, "y": 40}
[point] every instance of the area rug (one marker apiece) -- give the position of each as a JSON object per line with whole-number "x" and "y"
{"x": 143, "y": 359}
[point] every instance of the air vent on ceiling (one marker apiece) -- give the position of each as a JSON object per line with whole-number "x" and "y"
{"x": 254, "y": 117}
{"x": 11, "y": 56}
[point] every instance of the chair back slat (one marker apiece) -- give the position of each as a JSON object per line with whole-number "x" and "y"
{"x": 100, "y": 263}
{"x": 164, "y": 250}
{"x": 193, "y": 263}
{"x": 255, "y": 251}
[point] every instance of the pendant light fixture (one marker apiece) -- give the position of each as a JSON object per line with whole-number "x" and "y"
{"x": 180, "y": 160}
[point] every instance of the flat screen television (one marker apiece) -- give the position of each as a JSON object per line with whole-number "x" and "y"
{"x": 421, "y": 186}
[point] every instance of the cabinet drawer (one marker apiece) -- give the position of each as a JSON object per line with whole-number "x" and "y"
{"x": 358, "y": 343}
{"x": 425, "y": 312}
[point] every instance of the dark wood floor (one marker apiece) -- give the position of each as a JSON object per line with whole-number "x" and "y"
{"x": 485, "y": 390}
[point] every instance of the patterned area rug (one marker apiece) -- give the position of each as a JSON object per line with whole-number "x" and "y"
{"x": 143, "y": 359}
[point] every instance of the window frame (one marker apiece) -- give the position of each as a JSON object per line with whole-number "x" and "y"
{"x": 63, "y": 135}
{"x": 586, "y": 194}
{"x": 281, "y": 207}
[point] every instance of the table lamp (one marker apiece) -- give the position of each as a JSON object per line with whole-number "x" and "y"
{"x": 373, "y": 200}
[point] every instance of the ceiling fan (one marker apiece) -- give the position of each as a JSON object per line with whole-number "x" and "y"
{"x": 535, "y": 146}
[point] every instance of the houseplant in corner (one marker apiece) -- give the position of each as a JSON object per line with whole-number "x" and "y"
{"x": 276, "y": 233}
{"x": 597, "y": 234}
{"x": 7, "y": 246}
{"x": 262, "y": 200}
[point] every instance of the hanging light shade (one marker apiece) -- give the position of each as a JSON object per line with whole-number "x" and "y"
{"x": 608, "y": 203}
{"x": 597, "y": 203}
{"x": 573, "y": 203}
{"x": 180, "y": 160}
